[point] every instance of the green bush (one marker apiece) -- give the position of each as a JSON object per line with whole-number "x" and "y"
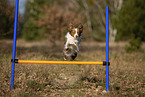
{"x": 131, "y": 21}
{"x": 31, "y": 32}
{"x": 134, "y": 45}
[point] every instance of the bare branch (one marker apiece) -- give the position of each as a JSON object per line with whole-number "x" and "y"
{"x": 87, "y": 15}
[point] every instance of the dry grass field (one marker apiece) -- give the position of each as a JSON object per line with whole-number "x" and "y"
{"x": 127, "y": 71}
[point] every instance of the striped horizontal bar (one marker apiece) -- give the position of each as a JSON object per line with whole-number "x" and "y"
{"x": 60, "y": 62}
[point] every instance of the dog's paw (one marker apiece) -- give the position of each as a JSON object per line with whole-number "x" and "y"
{"x": 64, "y": 59}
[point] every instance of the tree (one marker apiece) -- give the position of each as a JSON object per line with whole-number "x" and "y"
{"x": 94, "y": 12}
{"x": 30, "y": 30}
{"x": 131, "y": 21}
{"x": 48, "y": 19}
{"x": 6, "y": 19}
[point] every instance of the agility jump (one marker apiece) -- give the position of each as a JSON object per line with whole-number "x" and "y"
{"x": 103, "y": 63}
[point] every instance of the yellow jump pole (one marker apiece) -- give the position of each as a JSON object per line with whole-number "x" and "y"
{"x": 58, "y": 62}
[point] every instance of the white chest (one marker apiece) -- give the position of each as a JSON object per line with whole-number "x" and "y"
{"x": 72, "y": 40}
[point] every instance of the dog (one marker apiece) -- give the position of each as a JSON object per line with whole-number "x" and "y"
{"x": 73, "y": 40}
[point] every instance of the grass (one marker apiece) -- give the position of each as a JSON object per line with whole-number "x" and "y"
{"x": 127, "y": 72}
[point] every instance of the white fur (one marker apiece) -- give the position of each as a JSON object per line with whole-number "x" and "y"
{"x": 76, "y": 34}
{"x": 73, "y": 40}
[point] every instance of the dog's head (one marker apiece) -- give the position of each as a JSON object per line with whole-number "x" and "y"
{"x": 75, "y": 31}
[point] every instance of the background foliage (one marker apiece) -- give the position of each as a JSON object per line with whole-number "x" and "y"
{"x": 131, "y": 24}
{"x": 6, "y": 19}
{"x": 131, "y": 20}
{"x": 53, "y": 17}
{"x": 48, "y": 19}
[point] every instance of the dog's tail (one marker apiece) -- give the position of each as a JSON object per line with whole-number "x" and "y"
{"x": 71, "y": 50}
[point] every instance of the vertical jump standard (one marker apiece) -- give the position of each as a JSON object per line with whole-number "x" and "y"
{"x": 104, "y": 63}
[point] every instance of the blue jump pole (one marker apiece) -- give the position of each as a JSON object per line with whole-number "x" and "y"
{"x": 107, "y": 48}
{"x": 14, "y": 43}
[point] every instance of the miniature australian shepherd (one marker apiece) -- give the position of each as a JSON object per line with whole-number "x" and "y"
{"x": 73, "y": 40}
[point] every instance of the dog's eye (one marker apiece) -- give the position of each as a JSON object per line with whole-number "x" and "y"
{"x": 73, "y": 32}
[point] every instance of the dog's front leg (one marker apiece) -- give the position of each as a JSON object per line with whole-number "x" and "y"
{"x": 77, "y": 47}
{"x": 64, "y": 57}
{"x": 66, "y": 45}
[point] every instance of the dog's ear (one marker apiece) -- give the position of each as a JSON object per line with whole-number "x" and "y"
{"x": 80, "y": 28}
{"x": 70, "y": 27}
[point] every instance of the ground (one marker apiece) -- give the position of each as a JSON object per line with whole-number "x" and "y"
{"x": 127, "y": 72}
